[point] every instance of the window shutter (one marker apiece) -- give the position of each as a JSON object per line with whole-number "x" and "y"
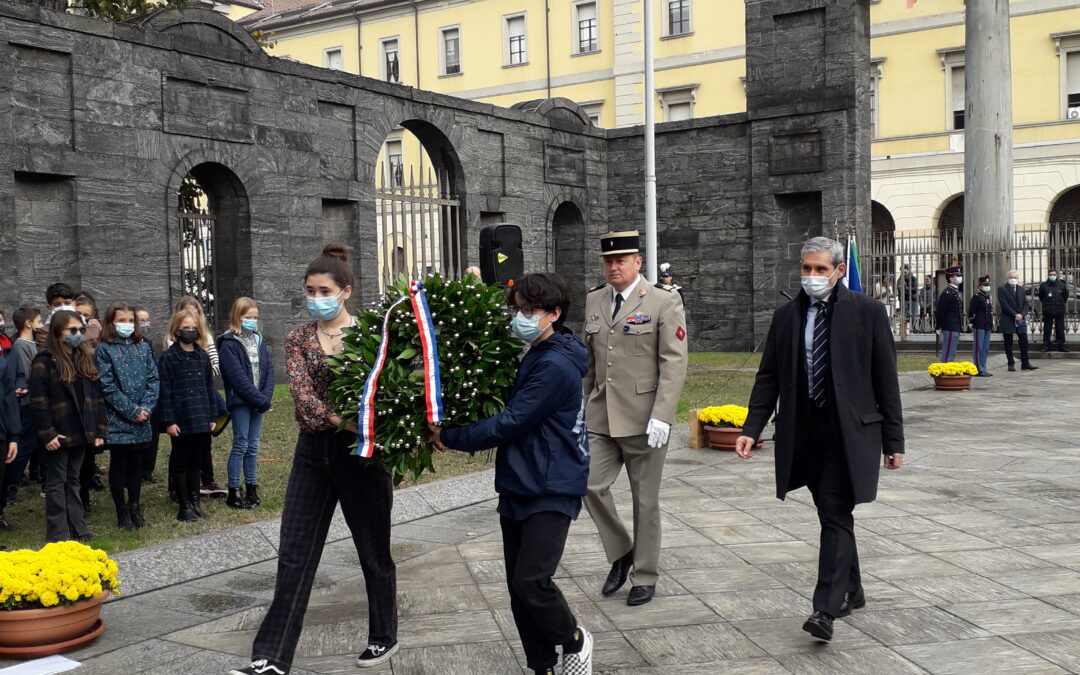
{"x": 678, "y": 111}
{"x": 958, "y": 88}
{"x": 586, "y": 11}
{"x": 516, "y": 26}
{"x": 1072, "y": 68}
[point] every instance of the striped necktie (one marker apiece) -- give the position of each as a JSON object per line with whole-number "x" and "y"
{"x": 820, "y": 360}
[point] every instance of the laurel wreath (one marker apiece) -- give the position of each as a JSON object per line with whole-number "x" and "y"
{"x": 477, "y": 360}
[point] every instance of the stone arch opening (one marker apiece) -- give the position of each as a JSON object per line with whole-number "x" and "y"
{"x": 950, "y": 227}
{"x": 1066, "y": 207}
{"x": 214, "y": 239}
{"x": 568, "y": 251}
{"x": 882, "y": 241}
{"x": 419, "y": 204}
{"x": 1065, "y": 231}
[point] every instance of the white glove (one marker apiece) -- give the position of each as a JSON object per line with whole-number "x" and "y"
{"x": 658, "y": 433}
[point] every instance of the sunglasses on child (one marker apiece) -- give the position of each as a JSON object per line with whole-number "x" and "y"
{"x": 76, "y": 330}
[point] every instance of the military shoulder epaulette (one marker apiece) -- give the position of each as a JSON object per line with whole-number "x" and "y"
{"x": 669, "y": 289}
{"x": 597, "y": 288}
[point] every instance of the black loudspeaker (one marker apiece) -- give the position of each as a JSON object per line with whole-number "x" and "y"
{"x": 501, "y": 257}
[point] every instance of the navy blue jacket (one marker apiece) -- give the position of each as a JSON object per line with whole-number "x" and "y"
{"x": 10, "y": 415}
{"x": 950, "y": 309}
{"x": 981, "y": 312}
{"x": 236, "y": 374}
{"x": 188, "y": 398}
{"x": 543, "y": 445}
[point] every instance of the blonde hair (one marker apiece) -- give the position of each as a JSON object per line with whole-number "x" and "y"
{"x": 200, "y": 316}
{"x": 174, "y": 327}
{"x": 239, "y": 309}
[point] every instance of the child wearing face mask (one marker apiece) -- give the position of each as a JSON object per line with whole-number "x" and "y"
{"x": 70, "y": 418}
{"x": 129, "y": 385}
{"x": 189, "y": 409}
{"x": 86, "y": 306}
{"x": 249, "y": 389}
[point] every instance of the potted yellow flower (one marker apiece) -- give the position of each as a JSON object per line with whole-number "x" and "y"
{"x": 952, "y": 376}
{"x": 50, "y": 600}
{"x": 723, "y": 424}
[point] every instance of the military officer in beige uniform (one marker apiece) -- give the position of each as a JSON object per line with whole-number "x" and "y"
{"x": 636, "y": 335}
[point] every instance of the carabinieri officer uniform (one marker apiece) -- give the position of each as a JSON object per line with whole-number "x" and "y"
{"x": 636, "y": 336}
{"x": 950, "y": 311}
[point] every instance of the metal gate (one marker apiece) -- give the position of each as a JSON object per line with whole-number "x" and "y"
{"x": 418, "y": 225}
{"x": 197, "y": 277}
{"x": 910, "y": 295}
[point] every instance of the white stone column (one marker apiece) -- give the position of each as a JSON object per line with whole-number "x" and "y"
{"x": 629, "y": 76}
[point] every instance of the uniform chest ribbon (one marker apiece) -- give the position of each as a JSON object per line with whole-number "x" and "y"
{"x": 429, "y": 350}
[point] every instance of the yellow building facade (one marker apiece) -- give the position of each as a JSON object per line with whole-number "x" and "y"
{"x": 590, "y": 51}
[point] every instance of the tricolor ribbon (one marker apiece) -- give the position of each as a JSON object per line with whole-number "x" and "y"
{"x": 430, "y": 352}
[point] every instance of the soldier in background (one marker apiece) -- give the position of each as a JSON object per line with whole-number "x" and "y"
{"x": 981, "y": 320}
{"x": 667, "y": 278}
{"x": 636, "y": 336}
{"x": 950, "y": 310}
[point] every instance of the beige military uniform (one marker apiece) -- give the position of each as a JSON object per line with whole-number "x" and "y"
{"x": 637, "y": 368}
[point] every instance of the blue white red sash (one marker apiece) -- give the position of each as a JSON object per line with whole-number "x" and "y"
{"x": 432, "y": 381}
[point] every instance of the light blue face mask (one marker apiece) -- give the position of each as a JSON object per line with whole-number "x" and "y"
{"x": 73, "y": 340}
{"x": 124, "y": 330}
{"x": 249, "y": 325}
{"x": 526, "y": 327}
{"x": 324, "y": 309}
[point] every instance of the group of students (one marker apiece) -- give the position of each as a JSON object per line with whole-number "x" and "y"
{"x": 74, "y": 385}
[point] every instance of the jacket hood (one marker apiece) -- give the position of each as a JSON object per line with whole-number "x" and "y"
{"x": 565, "y": 343}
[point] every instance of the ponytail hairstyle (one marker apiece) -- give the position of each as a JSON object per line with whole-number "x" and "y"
{"x": 334, "y": 262}
{"x": 72, "y": 363}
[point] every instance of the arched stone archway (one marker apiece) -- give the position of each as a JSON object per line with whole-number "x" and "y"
{"x": 1066, "y": 207}
{"x": 213, "y": 235}
{"x": 950, "y": 227}
{"x": 883, "y": 241}
{"x": 568, "y": 251}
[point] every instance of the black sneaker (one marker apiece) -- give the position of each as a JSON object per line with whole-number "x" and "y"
{"x": 260, "y": 667}
{"x": 579, "y": 663}
{"x": 375, "y": 655}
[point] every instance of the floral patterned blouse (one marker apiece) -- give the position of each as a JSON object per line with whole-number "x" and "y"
{"x": 309, "y": 378}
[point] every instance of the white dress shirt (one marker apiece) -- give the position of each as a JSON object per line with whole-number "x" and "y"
{"x": 625, "y": 293}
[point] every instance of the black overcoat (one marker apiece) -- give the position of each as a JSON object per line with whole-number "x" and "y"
{"x": 866, "y": 390}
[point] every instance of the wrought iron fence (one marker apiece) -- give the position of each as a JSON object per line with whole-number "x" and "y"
{"x": 418, "y": 227}
{"x": 197, "y": 260}
{"x": 905, "y": 271}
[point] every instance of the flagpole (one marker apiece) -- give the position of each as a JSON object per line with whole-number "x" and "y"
{"x": 650, "y": 147}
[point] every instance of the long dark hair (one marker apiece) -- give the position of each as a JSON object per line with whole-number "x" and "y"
{"x": 108, "y": 330}
{"x": 72, "y": 363}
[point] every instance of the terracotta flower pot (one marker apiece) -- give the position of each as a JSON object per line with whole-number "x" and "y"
{"x": 952, "y": 382}
{"x": 32, "y": 633}
{"x": 723, "y": 438}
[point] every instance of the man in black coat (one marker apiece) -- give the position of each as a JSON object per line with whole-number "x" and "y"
{"x": 1054, "y": 296}
{"x": 1013, "y": 305}
{"x": 830, "y": 359}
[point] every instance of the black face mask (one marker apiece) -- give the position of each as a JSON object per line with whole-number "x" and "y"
{"x": 188, "y": 337}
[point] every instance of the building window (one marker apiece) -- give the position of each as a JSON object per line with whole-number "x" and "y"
{"x": 451, "y": 51}
{"x": 957, "y": 97}
{"x": 1072, "y": 86}
{"x": 875, "y": 95}
{"x": 517, "y": 49}
{"x": 678, "y": 17}
{"x": 588, "y": 35}
{"x": 395, "y": 166}
{"x": 391, "y": 65}
{"x": 592, "y": 111}
{"x": 678, "y": 103}
{"x": 333, "y": 59}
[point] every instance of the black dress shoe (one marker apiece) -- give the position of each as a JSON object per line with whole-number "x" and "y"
{"x": 639, "y": 595}
{"x": 1029, "y": 367}
{"x": 984, "y": 374}
{"x": 620, "y": 569}
{"x": 856, "y": 600}
{"x": 1012, "y": 368}
{"x": 819, "y": 625}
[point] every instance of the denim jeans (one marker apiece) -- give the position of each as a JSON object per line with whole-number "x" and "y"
{"x": 980, "y": 348}
{"x": 949, "y": 340}
{"x": 247, "y": 426}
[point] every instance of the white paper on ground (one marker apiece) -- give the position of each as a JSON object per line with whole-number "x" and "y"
{"x": 45, "y": 666}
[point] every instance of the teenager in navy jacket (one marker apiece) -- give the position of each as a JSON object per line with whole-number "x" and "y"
{"x": 541, "y": 470}
{"x": 249, "y": 390}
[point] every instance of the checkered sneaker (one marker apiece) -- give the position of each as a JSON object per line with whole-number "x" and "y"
{"x": 580, "y": 663}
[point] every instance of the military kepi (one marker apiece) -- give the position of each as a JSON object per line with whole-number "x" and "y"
{"x": 984, "y": 279}
{"x": 618, "y": 243}
{"x": 954, "y": 271}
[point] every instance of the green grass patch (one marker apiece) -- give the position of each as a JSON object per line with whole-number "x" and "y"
{"x": 713, "y": 379}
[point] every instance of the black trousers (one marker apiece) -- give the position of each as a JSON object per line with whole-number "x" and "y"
{"x": 830, "y": 485}
{"x": 1055, "y": 322}
{"x": 125, "y": 472}
{"x": 1022, "y": 339}
{"x": 63, "y": 507}
{"x": 86, "y": 473}
{"x": 532, "y": 549}
{"x": 150, "y": 453}
{"x": 324, "y": 473}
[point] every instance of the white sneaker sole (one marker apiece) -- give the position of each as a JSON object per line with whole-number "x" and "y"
{"x": 580, "y": 663}
{"x": 371, "y": 663}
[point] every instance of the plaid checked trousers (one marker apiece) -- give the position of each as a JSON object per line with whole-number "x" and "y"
{"x": 325, "y": 472}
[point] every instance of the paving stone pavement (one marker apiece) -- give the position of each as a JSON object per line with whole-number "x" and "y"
{"x": 971, "y": 560}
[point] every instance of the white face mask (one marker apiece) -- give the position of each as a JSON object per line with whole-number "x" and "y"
{"x": 1014, "y": 282}
{"x": 818, "y": 287}
{"x": 984, "y": 289}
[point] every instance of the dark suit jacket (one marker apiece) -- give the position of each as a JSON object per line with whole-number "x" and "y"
{"x": 1010, "y": 304}
{"x": 866, "y": 390}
